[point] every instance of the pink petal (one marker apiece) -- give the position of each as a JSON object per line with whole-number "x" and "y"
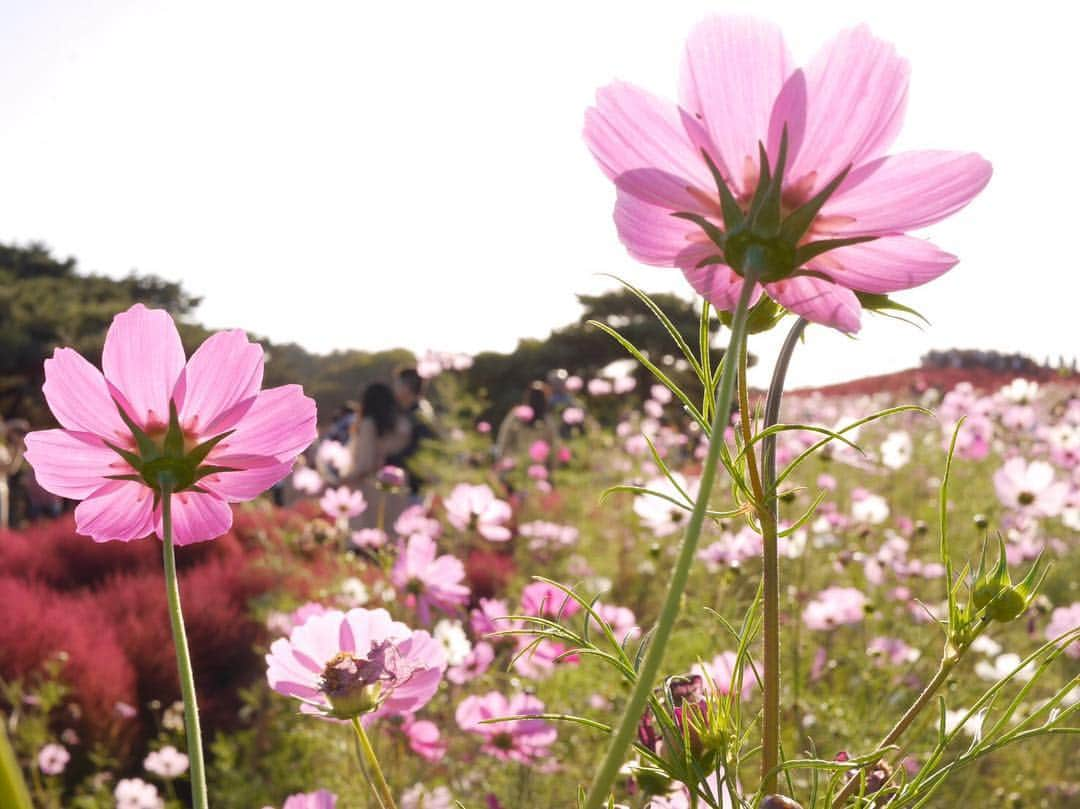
{"x": 884, "y": 265}
{"x": 196, "y": 517}
{"x": 717, "y": 283}
{"x": 818, "y": 301}
{"x": 79, "y": 397}
{"x": 733, "y": 70}
{"x": 245, "y": 484}
{"x": 280, "y": 424}
{"x": 71, "y": 464}
{"x": 650, "y": 233}
{"x": 640, "y": 141}
{"x": 143, "y": 360}
{"x": 904, "y": 192}
{"x": 856, "y": 92}
{"x": 221, "y": 381}
{"x": 120, "y": 509}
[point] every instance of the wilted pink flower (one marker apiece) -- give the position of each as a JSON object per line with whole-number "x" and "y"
{"x": 1030, "y": 487}
{"x": 835, "y": 606}
{"x": 53, "y": 758}
{"x": 843, "y": 111}
{"x": 135, "y": 793}
{"x": 522, "y": 740}
{"x": 427, "y": 580}
{"x": 343, "y": 503}
{"x": 205, "y": 425}
{"x": 341, "y": 665}
{"x": 307, "y": 480}
{"x": 1062, "y": 620}
{"x": 168, "y": 762}
{"x": 475, "y": 508}
{"x": 323, "y": 799}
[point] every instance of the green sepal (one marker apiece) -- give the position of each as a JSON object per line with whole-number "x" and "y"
{"x": 199, "y": 453}
{"x": 798, "y": 221}
{"x": 883, "y": 303}
{"x": 204, "y": 471}
{"x": 148, "y": 450}
{"x": 812, "y": 250}
{"x": 766, "y": 224}
{"x": 132, "y": 458}
{"x": 717, "y": 236}
{"x": 762, "y": 316}
{"x": 764, "y": 180}
{"x": 174, "y": 436}
{"x": 729, "y": 206}
{"x": 709, "y": 260}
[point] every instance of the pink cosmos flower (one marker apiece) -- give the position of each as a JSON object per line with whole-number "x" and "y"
{"x": 599, "y": 387}
{"x": 722, "y": 672}
{"x": 487, "y": 617}
{"x": 841, "y": 113}
{"x": 359, "y": 662}
{"x": 343, "y": 503}
{"x": 135, "y": 793}
{"x": 424, "y": 738}
{"x": 476, "y": 508}
{"x": 1062, "y": 620}
{"x": 368, "y": 538}
{"x": 168, "y": 762}
{"x": 307, "y": 480}
{"x": 428, "y": 580}
{"x": 573, "y": 415}
{"x": 893, "y": 651}
{"x": 539, "y": 451}
{"x": 53, "y": 758}
{"x": 525, "y": 741}
{"x": 323, "y": 799}
{"x": 476, "y": 662}
{"x": 835, "y": 606}
{"x": 1030, "y": 487}
{"x": 205, "y": 424}
{"x": 415, "y": 520}
{"x": 543, "y": 599}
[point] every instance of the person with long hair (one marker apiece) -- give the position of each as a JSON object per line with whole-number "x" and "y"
{"x": 379, "y": 432}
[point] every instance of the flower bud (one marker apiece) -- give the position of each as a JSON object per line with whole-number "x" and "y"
{"x": 779, "y": 802}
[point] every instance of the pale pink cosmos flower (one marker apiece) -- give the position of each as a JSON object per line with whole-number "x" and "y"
{"x": 415, "y": 520}
{"x": 428, "y": 580}
{"x": 1062, "y": 620}
{"x": 835, "y": 606}
{"x": 360, "y": 662}
{"x": 53, "y": 759}
{"x": 543, "y": 599}
{"x": 475, "y": 664}
{"x": 168, "y": 762}
{"x": 573, "y": 416}
{"x": 722, "y": 672}
{"x": 488, "y": 616}
{"x": 343, "y": 503}
{"x": 599, "y": 387}
{"x": 204, "y": 422}
{"x": 368, "y": 538}
{"x": 539, "y": 451}
{"x": 525, "y": 741}
{"x": 893, "y": 651}
{"x": 135, "y": 793}
{"x": 738, "y": 88}
{"x": 476, "y": 508}
{"x": 1030, "y": 487}
{"x": 322, "y": 799}
{"x": 420, "y": 797}
{"x": 424, "y": 738}
{"x": 307, "y": 480}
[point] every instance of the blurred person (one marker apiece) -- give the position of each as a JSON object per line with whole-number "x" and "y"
{"x": 12, "y": 448}
{"x": 379, "y": 432}
{"x": 525, "y": 425}
{"x": 408, "y": 391}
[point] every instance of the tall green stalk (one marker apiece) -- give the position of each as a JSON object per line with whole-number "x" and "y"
{"x": 369, "y": 762}
{"x": 183, "y": 656}
{"x": 654, "y": 656}
{"x": 770, "y": 569}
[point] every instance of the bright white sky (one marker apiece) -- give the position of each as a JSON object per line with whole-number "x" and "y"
{"x": 378, "y": 174}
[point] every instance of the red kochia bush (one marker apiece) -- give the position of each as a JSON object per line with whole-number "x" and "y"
{"x": 104, "y": 605}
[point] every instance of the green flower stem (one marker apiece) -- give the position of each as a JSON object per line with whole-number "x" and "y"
{"x": 943, "y": 672}
{"x": 770, "y": 569}
{"x": 654, "y": 657}
{"x": 183, "y": 656}
{"x": 373, "y": 771}
{"x": 13, "y": 791}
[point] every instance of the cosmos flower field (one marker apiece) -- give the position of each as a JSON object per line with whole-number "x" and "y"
{"x": 649, "y": 588}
